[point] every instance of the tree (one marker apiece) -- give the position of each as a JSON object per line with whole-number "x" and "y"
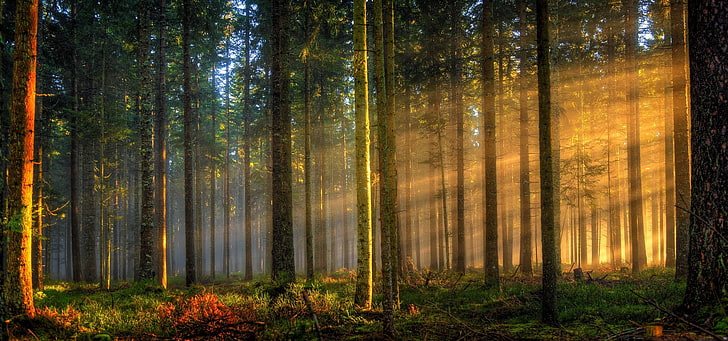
{"x": 160, "y": 145}
{"x": 456, "y": 96}
{"x": 189, "y": 144}
{"x": 308, "y": 168}
{"x": 707, "y": 281}
{"x": 18, "y": 285}
{"x": 386, "y": 124}
{"x": 146, "y": 270}
{"x": 282, "y": 237}
{"x": 636, "y": 225}
{"x": 524, "y": 173}
{"x": 549, "y": 312}
{"x": 681, "y": 142}
{"x": 363, "y": 294}
{"x": 490, "y": 189}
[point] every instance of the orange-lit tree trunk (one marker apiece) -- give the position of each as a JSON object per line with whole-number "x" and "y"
{"x": 489, "y": 147}
{"x": 681, "y": 140}
{"x": 707, "y": 281}
{"x": 18, "y": 286}
{"x": 160, "y": 146}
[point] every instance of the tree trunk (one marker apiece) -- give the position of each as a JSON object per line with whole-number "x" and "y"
{"x": 457, "y": 113}
{"x": 247, "y": 140}
{"x": 146, "y": 269}
{"x": 639, "y": 256}
{"x": 490, "y": 189}
{"x": 18, "y": 285}
{"x": 363, "y": 294}
{"x": 526, "y": 266}
{"x": 681, "y": 135}
{"x": 707, "y": 281}
{"x": 75, "y": 150}
{"x": 307, "y": 167}
{"x": 189, "y": 146}
{"x": 160, "y": 146}
{"x": 549, "y": 312}
{"x": 283, "y": 266}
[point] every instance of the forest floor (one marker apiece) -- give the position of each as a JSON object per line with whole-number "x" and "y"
{"x": 607, "y": 305}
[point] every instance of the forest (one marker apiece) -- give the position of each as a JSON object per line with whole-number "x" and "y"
{"x": 363, "y": 169}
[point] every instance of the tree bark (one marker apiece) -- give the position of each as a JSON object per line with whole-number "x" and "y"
{"x": 189, "y": 145}
{"x": 160, "y": 146}
{"x": 549, "y": 312}
{"x": 636, "y": 226}
{"x": 490, "y": 189}
{"x": 526, "y": 266}
{"x": 364, "y": 284}
{"x": 18, "y": 285}
{"x": 283, "y": 266}
{"x": 681, "y": 136}
{"x": 707, "y": 281}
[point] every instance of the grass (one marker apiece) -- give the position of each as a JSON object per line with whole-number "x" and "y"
{"x": 434, "y": 306}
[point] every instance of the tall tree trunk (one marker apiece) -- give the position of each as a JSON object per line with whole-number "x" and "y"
{"x": 18, "y": 285}
{"x": 89, "y": 226}
{"x": 160, "y": 146}
{"x": 549, "y": 312}
{"x": 189, "y": 146}
{"x": 213, "y": 178}
{"x": 490, "y": 189}
{"x": 283, "y": 266}
{"x": 681, "y": 134}
{"x": 146, "y": 269}
{"x": 639, "y": 256}
{"x": 226, "y": 171}
{"x": 364, "y": 284}
{"x": 75, "y": 151}
{"x": 307, "y": 167}
{"x": 456, "y": 98}
{"x": 247, "y": 141}
{"x": 707, "y": 281}
{"x": 524, "y": 174}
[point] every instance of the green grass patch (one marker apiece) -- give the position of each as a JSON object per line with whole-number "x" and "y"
{"x": 434, "y": 305}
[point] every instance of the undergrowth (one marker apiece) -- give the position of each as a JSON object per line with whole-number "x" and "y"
{"x": 434, "y": 306}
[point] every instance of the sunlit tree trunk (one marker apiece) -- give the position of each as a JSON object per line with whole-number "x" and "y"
{"x": 39, "y": 212}
{"x": 283, "y": 267}
{"x": 636, "y": 225}
{"x": 160, "y": 146}
{"x": 364, "y": 284}
{"x": 549, "y": 312}
{"x": 681, "y": 135}
{"x": 189, "y": 145}
{"x": 18, "y": 285}
{"x": 707, "y": 280}
{"x": 490, "y": 189}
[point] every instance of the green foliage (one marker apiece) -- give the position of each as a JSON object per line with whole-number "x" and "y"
{"x": 441, "y": 305}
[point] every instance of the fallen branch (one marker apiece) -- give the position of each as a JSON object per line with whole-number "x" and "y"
{"x": 680, "y": 318}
